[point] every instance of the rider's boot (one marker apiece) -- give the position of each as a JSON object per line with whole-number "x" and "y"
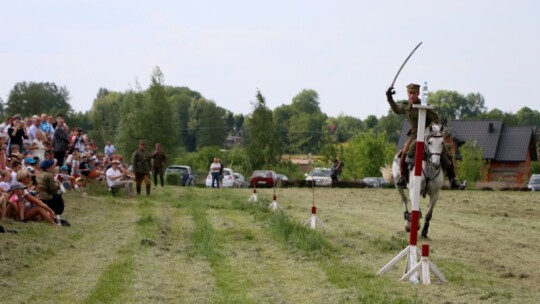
{"x": 401, "y": 181}
{"x": 454, "y": 182}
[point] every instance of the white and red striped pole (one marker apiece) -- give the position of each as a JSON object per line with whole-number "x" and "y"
{"x": 411, "y": 252}
{"x": 253, "y": 197}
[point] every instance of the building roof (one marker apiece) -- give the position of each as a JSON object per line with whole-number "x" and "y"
{"x": 498, "y": 142}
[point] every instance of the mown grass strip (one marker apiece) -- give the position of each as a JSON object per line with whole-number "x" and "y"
{"x": 114, "y": 281}
{"x": 340, "y": 273}
{"x": 205, "y": 241}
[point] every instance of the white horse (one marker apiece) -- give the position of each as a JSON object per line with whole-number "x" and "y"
{"x": 432, "y": 175}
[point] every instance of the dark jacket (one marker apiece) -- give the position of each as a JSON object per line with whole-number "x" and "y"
{"x": 60, "y": 140}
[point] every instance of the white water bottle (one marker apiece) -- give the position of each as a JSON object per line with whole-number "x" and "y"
{"x": 424, "y": 97}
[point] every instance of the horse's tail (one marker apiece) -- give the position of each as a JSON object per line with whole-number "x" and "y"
{"x": 387, "y": 173}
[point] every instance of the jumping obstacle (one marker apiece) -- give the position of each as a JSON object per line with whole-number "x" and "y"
{"x": 425, "y": 266}
{"x": 313, "y": 220}
{"x": 411, "y": 252}
{"x": 253, "y": 197}
{"x": 274, "y": 204}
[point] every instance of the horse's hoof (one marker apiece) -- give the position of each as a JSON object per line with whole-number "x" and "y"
{"x": 407, "y": 227}
{"x": 424, "y": 235}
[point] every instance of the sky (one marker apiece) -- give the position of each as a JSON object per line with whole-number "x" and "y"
{"x": 347, "y": 51}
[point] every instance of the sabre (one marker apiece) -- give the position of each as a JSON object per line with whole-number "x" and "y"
{"x": 404, "y": 62}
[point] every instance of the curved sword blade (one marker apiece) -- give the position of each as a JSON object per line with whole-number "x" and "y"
{"x": 404, "y": 62}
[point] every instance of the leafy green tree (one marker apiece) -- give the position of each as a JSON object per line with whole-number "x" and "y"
{"x": 474, "y": 106}
{"x": 163, "y": 127}
{"x": 133, "y": 124}
{"x": 391, "y": 124}
{"x": 262, "y": 140}
{"x": 453, "y": 105}
{"x": 371, "y": 121}
{"x": 365, "y": 154}
{"x": 105, "y": 116}
{"x": 535, "y": 167}
{"x": 181, "y": 104}
{"x": 471, "y": 166}
{"x": 345, "y": 127}
{"x": 28, "y": 98}
{"x": 307, "y": 123}
{"x": 210, "y": 126}
{"x": 282, "y": 115}
{"x": 528, "y": 117}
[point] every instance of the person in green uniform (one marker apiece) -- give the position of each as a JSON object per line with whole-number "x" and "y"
{"x": 141, "y": 161}
{"x": 407, "y": 109}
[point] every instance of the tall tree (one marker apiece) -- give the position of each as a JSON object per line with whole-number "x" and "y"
{"x": 307, "y": 129}
{"x": 28, "y": 98}
{"x": 159, "y": 112}
{"x": 282, "y": 115}
{"x": 262, "y": 141}
{"x": 105, "y": 116}
{"x": 210, "y": 126}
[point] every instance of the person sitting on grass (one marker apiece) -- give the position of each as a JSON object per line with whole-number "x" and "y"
{"x": 116, "y": 179}
{"x": 48, "y": 188}
{"x": 24, "y": 210}
{"x": 63, "y": 178}
{"x": 4, "y": 188}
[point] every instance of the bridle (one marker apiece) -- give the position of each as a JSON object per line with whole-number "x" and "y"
{"x": 427, "y": 158}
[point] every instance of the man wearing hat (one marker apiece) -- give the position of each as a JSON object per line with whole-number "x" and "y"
{"x": 413, "y": 92}
{"x": 141, "y": 162}
{"x": 115, "y": 179}
{"x": 48, "y": 189}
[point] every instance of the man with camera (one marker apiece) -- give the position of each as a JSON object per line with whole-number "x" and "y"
{"x": 17, "y": 133}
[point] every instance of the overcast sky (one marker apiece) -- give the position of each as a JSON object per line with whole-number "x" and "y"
{"x": 347, "y": 51}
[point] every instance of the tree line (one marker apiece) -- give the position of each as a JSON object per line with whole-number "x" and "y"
{"x": 186, "y": 123}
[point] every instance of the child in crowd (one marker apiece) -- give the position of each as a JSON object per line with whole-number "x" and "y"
{"x": 21, "y": 209}
{"x": 64, "y": 179}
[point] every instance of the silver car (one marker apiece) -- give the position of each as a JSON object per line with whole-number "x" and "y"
{"x": 320, "y": 176}
{"x": 534, "y": 182}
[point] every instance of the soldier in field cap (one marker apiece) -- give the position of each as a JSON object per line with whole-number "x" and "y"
{"x": 413, "y": 92}
{"x": 141, "y": 161}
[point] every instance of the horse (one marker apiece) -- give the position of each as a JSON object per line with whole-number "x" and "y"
{"x": 432, "y": 178}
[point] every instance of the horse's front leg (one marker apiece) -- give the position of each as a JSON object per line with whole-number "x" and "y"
{"x": 404, "y": 203}
{"x": 432, "y": 202}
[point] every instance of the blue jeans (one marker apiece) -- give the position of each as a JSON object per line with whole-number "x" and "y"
{"x": 215, "y": 177}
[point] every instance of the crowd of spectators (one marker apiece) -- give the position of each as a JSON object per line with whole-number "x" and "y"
{"x": 41, "y": 158}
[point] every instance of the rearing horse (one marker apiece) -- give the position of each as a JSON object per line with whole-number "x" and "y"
{"x": 432, "y": 176}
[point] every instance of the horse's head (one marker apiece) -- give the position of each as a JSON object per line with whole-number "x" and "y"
{"x": 434, "y": 144}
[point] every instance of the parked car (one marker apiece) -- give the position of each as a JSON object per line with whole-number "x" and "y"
{"x": 320, "y": 176}
{"x": 374, "y": 182}
{"x": 185, "y": 173}
{"x": 534, "y": 182}
{"x": 281, "y": 180}
{"x": 240, "y": 181}
{"x": 262, "y": 178}
{"x": 228, "y": 178}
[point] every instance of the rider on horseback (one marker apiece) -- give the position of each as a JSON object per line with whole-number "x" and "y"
{"x": 407, "y": 153}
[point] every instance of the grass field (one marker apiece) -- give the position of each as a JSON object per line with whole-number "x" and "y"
{"x": 197, "y": 245}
